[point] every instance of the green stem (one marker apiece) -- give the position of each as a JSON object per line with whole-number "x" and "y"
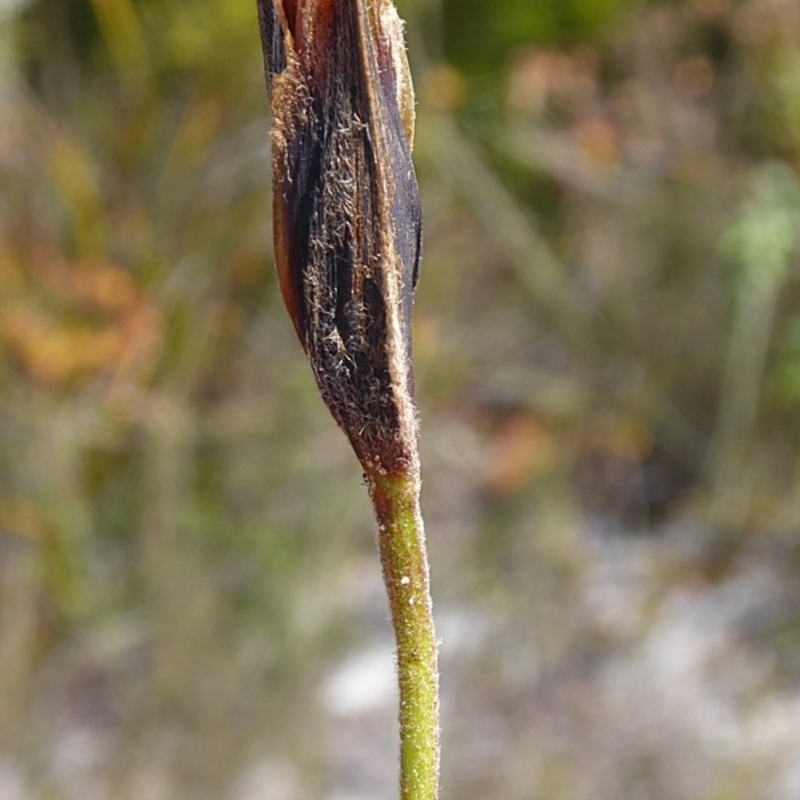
{"x": 401, "y": 538}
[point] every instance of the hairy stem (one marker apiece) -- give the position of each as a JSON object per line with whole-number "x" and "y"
{"x": 401, "y": 538}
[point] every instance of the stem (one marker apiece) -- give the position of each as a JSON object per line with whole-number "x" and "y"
{"x": 401, "y": 539}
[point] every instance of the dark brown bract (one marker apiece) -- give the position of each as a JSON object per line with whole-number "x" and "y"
{"x": 346, "y": 210}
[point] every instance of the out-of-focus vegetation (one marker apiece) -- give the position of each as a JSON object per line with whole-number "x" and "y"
{"x": 608, "y": 365}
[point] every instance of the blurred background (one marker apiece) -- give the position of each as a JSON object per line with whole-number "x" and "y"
{"x": 607, "y": 350}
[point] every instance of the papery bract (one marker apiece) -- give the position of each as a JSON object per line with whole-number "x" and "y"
{"x": 346, "y": 210}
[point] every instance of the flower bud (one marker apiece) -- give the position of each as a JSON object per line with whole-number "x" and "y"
{"x": 346, "y": 211}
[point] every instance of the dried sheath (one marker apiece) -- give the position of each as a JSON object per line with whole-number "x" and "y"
{"x": 346, "y": 210}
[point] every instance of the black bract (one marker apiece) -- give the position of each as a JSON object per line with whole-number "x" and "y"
{"x": 346, "y": 210}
